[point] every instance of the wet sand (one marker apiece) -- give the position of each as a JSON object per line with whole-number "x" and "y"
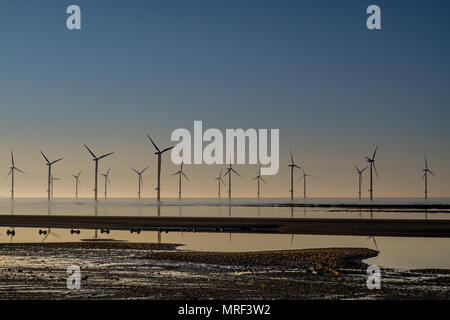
{"x": 111, "y": 270}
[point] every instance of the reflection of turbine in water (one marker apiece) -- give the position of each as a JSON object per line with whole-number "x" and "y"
{"x": 49, "y": 164}
{"x": 96, "y": 159}
{"x": 159, "y": 214}
{"x": 49, "y": 232}
{"x": 374, "y": 241}
{"x": 292, "y": 239}
{"x": 11, "y": 172}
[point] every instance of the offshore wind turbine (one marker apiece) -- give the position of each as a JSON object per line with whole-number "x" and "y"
{"x": 159, "y": 153}
{"x": 52, "y": 179}
{"x": 180, "y": 173}
{"x": 219, "y": 180}
{"x": 49, "y": 164}
{"x": 304, "y": 176}
{"x": 371, "y": 161}
{"x": 292, "y": 166}
{"x": 11, "y": 172}
{"x": 77, "y": 183}
{"x": 360, "y": 172}
{"x": 140, "y": 181}
{"x": 258, "y": 178}
{"x": 229, "y": 172}
{"x": 96, "y": 159}
{"x": 107, "y": 181}
{"x": 426, "y": 171}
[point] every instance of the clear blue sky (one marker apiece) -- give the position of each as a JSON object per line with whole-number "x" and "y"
{"x": 309, "y": 68}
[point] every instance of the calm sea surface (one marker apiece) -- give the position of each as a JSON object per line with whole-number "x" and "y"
{"x": 394, "y": 252}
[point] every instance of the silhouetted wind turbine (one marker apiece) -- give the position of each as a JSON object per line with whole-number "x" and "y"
{"x": 292, "y": 166}
{"x": 52, "y": 179}
{"x": 219, "y": 180}
{"x": 49, "y": 164}
{"x": 140, "y": 181}
{"x": 371, "y": 162}
{"x": 360, "y": 172}
{"x": 96, "y": 159}
{"x": 180, "y": 173}
{"x": 229, "y": 172}
{"x": 77, "y": 183}
{"x": 304, "y": 176}
{"x": 425, "y": 176}
{"x": 106, "y": 176}
{"x": 11, "y": 172}
{"x": 159, "y": 153}
{"x": 258, "y": 178}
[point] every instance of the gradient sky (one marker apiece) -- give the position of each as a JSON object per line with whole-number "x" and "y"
{"x": 309, "y": 68}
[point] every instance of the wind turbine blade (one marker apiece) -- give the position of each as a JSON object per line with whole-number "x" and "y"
{"x": 364, "y": 169}
{"x": 228, "y": 171}
{"x": 79, "y": 173}
{"x": 144, "y": 169}
{"x": 135, "y": 170}
{"x": 156, "y": 147}
{"x": 255, "y": 178}
{"x": 357, "y": 169}
{"x": 292, "y": 158}
{"x": 426, "y": 164}
{"x": 9, "y": 173}
{"x": 185, "y": 176}
{"x": 20, "y": 170}
{"x": 12, "y": 158}
{"x": 222, "y": 181}
{"x": 181, "y": 166}
{"x": 46, "y": 159}
{"x": 431, "y": 172}
{"x": 375, "y": 152}
{"x": 298, "y": 167}
{"x": 92, "y": 154}
{"x": 376, "y": 172}
{"x": 220, "y": 175}
{"x": 105, "y": 155}
{"x": 57, "y": 160}
{"x": 107, "y": 172}
{"x": 263, "y": 179}
{"x": 176, "y": 173}
{"x": 235, "y": 172}
{"x": 167, "y": 149}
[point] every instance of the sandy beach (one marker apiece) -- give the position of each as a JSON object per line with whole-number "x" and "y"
{"x": 121, "y": 270}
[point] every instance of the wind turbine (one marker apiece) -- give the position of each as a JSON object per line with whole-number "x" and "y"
{"x": 371, "y": 162}
{"x": 159, "y": 153}
{"x": 360, "y": 172}
{"x": 52, "y": 179}
{"x": 180, "y": 173}
{"x": 426, "y": 171}
{"x": 96, "y": 159}
{"x": 258, "y": 178}
{"x": 77, "y": 183}
{"x": 11, "y": 172}
{"x": 49, "y": 164}
{"x": 219, "y": 180}
{"x": 304, "y": 182}
{"x": 292, "y": 166}
{"x": 140, "y": 181}
{"x": 229, "y": 172}
{"x": 106, "y": 176}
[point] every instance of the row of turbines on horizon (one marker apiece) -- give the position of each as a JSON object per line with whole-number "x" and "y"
{"x": 181, "y": 174}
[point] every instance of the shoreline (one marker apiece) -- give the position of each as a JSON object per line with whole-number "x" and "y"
{"x": 122, "y": 270}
